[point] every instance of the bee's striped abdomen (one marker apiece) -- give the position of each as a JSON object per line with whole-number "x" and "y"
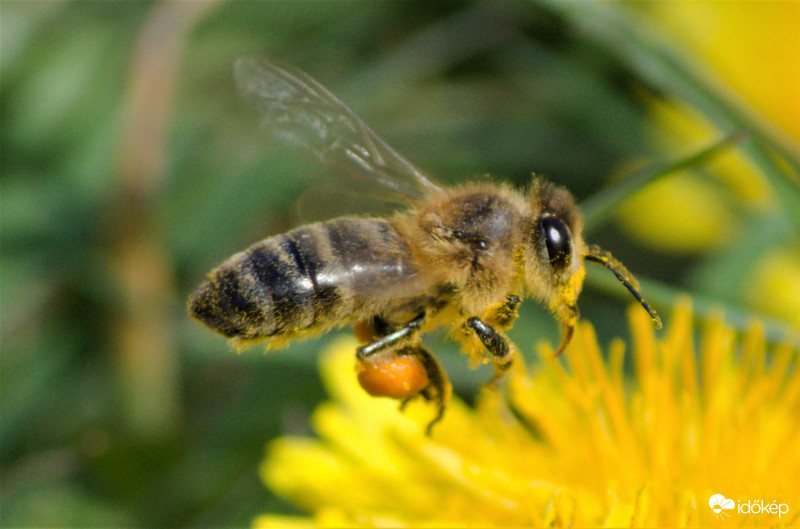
{"x": 312, "y": 277}
{"x": 287, "y": 286}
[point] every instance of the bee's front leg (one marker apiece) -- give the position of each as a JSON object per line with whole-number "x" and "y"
{"x": 504, "y": 314}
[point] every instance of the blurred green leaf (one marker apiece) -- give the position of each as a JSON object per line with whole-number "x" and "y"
{"x": 663, "y": 67}
{"x": 601, "y": 205}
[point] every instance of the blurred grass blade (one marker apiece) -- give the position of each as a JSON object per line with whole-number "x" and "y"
{"x": 661, "y": 65}
{"x": 597, "y": 208}
{"x": 661, "y": 296}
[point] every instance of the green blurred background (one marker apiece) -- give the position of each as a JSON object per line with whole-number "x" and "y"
{"x": 130, "y": 168}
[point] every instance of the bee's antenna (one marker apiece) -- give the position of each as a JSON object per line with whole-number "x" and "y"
{"x": 598, "y": 255}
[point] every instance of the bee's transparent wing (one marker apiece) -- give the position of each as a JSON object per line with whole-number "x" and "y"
{"x": 296, "y": 107}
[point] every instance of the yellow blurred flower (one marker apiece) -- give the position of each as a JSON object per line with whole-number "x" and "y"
{"x": 582, "y": 445}
{"x": 774, "y": 286}
{"x": 691, "y": 212}
{"x": 680, "y": 214}
{"x": 754, "y": 48}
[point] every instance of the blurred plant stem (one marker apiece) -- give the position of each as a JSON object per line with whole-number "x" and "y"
{"x": 146, "y": 352}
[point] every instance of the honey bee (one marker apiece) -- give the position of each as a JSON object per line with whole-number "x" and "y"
{"x": 461, "y": 256}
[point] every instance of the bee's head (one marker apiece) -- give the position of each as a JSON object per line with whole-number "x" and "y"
{"x": 554, "y": 256}
{"x": 556, "y": 252}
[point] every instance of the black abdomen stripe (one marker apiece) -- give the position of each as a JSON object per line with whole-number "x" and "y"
{"x": 295, "y": 271}
{"x": 316, "y": 262}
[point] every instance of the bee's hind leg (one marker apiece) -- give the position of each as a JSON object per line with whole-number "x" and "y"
{"x": 390, "y": 346}
{"x": 438, "y": 389}
{"x": 392, "y": 338}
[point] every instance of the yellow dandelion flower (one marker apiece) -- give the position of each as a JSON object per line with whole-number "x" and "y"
{"x": 694, "y": 436}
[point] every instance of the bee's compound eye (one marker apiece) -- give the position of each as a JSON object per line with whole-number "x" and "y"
{"x": 397, "y": 377}
{"x": 557, "y": 239}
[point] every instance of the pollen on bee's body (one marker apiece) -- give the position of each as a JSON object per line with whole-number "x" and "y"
{"x": 395, "y": 377}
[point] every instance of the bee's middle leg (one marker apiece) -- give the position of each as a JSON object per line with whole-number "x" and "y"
{"x": 494, "y": 342}
{"x": 500, "y": 316}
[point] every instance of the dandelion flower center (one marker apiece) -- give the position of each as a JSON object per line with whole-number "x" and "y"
{"x": 580, "y": 443}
